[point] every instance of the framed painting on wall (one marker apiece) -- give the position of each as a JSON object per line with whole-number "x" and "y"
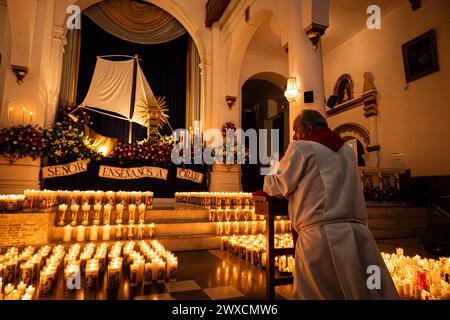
{"x": 420, "y": 56}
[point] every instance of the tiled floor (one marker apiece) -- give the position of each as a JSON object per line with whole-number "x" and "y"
{"x": 221, "y": 293}
{"x": 219, "y": 275}
{"x": 182, "y": 286}
{"x": 211, "y": 275}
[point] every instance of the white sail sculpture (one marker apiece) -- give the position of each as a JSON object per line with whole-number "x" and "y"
{"x": 119, "y": 87}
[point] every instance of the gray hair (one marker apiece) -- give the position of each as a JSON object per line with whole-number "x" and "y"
{"x": 311, "y": 117}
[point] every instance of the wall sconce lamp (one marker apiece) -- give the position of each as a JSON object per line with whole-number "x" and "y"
{"x": 20, "y": 72}
{"x": 292, "y": 91}
{"x": 231, "y": 101}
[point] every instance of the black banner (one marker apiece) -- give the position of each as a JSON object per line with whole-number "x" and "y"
{"x": 90, "y": 180}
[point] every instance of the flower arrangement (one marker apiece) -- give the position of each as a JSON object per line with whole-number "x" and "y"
{"x": 22, "y": 141}
{"x": 228, "y": 126}
{"x": 67, "y": 141}
{"x": 156, "y": 152}
{"x": 231, "y": 151}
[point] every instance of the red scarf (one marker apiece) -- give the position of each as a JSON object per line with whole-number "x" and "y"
{"x": 327, "y": 138}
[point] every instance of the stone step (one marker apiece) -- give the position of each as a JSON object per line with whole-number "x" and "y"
{"x": 191, "y": 242}
{"x": 387, "y": 222}
{"x": 398, "y": 233}
{"x": 163, "y": 229}
{"x": 172, "y": 214}
{"x": 396, "y": 212}
{"x": 164, "y": 202}
{"x": 184, "y": 229}
{"x": 175, "y": 243}
{"x": 405, "y": 222}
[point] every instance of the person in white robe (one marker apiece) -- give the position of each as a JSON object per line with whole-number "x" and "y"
{"x": 335, "y": 249}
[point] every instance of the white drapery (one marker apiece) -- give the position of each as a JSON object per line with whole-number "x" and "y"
{"x": 112, "y": 86}
{"x": 135, "y": 22}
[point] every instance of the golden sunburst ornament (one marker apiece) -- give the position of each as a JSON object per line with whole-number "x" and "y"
{"x": 153, "y": 112}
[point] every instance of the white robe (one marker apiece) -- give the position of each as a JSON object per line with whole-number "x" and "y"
{"x": 332, "y": 257}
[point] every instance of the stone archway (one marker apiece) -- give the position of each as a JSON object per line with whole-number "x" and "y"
{"x": 354, "y": 128}
{"x": 240, "y": 46}
{"x": 264, "y": 107}
{"x": 68, "y": 89}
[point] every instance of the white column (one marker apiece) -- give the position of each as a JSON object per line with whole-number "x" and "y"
{"x": 223, "y": 177}
{"x": 53, "y": 75}
{"x": 305, "y": 64}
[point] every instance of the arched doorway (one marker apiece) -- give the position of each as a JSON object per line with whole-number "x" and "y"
{"x": 357, "y": 148}
{"x": 358, "y": 137}
{"x": 264, "y": 107}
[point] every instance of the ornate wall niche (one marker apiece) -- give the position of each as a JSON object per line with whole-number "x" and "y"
{"x": 368, "y": 98}
{"x": 343, "y": 89}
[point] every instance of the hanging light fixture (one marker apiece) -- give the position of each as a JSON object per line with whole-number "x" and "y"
{"x": 292, "y": 91}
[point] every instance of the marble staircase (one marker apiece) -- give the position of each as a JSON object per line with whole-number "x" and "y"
{"x": 185, "y": 228}
{"x": 387, "y": 222}
{"x": 178, "y": 229}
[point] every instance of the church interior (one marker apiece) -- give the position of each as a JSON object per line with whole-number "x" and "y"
{"x": 97, "y": 96}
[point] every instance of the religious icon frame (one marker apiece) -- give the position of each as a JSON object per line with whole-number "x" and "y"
{"x": 420, "y": 56}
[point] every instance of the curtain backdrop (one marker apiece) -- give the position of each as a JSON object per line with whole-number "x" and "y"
{"x": 164, "y": 66}
{"x": 193, "y": 86}
{"x": 135, "y": 22}
{"x": 71, "y": 61}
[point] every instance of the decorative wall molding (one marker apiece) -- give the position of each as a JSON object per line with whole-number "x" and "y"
{"x": 368, "y": 101}
{"x": 356, "y": 129}
{"x": 59, "y": 34}
{"x": 415, "y": 4}
{"x": 314, "y": 32}
{"x": 368, "y": 97}
{"x": 214, "y": 11}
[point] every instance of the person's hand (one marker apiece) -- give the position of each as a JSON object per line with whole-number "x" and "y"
{"x": 274, "y": 164}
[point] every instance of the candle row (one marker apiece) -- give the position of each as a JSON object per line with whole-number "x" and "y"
{"x": 24, "y": 268}
{"x": 144, "y": 262}
{"x": 254, "y": 227}
{"x": 253, "y": 249}
{"x": 22, "y": 117}
{"x": 215, "y": 200}
{"x": 235, "y": 228}
{"x": 12, "y": 203}
{"x": 98, "y": 214}
{"x": 237, "y": 214}
{"x": 21, "y": 292}
{"x": 418, "y": 278}
{"x": 149, "y": 264}
{"x": 107, "y": 232}
{"x": 43, "y": 199}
